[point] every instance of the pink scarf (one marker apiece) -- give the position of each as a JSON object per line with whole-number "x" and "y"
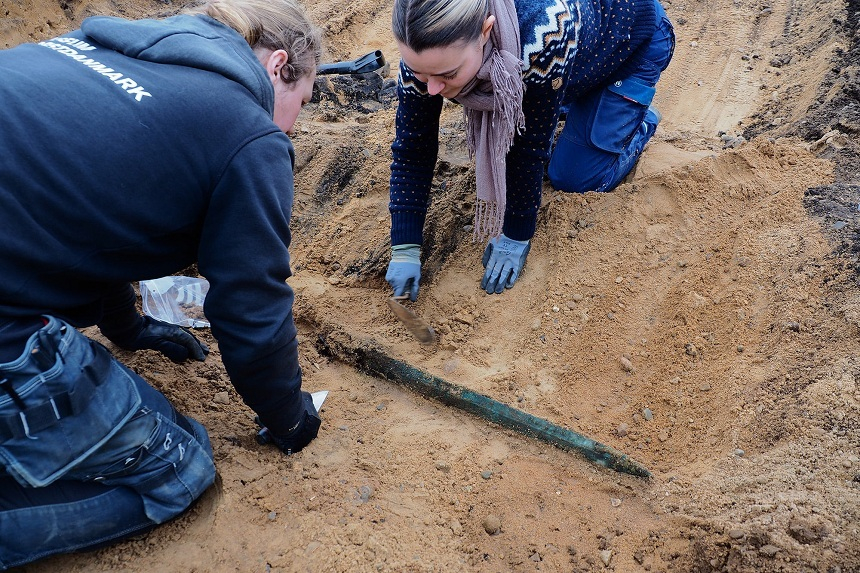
{"x": 493, "y": 108}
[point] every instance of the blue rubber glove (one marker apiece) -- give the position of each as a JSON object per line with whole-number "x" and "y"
{"x": 504, "y": 259}
{"x": 404, "y": 270}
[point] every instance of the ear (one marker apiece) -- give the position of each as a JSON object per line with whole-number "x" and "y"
{"x": 486, "y": 28}
{"x": 275, "y": 62}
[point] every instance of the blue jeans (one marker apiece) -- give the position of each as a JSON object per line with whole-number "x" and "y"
{"x": 89, "y": 452}
{"x": 606, "y": 130}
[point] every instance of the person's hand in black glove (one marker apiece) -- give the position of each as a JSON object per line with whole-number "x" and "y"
{"x": 298, "y": 436}
{"x": 175, "y": 342}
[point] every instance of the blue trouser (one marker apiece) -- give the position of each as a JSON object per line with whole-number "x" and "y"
{"x": 89, "y": 452}
{"x": 607, "y": 129}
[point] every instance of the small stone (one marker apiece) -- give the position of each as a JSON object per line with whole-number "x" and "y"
{"x": 691, "y": 350}
{"x": 647, "y": 414}
{"x": 663, "y": 435}
{"x": 615, "y": 502}
{"x": 364, "y": 493}
{"x": 626, "y": 365}
{"x": 739, "y": 452}
{"x": 622, "y": 430}
{"x": 380, "y": 406}
{"x": 740, "y": 348}
{"x": 705, "y": 386}
{"x": 536, "y": 324}
{"x": 486, "y": 474}
{"x": 606, "y": 556}
{"x": 492, "y": 524}
{"x": 465, "y": 318}
{"x": 806, "y": 532}
{"x": 768, "y": 550}
{"x": 443, "y": 466}
{"x": 736, "y": 533}
{"x": 272, "y": 516}
{"x": 535, "y": 557}
{"x": 221, "y": 398}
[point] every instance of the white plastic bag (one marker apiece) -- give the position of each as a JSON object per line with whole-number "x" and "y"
{"x": 176, "y": 299}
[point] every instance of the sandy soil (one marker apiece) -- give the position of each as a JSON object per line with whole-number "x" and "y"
{"x": 703, "y": 319}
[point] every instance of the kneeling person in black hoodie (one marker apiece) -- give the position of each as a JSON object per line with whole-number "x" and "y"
{"x": 131, "y": 150}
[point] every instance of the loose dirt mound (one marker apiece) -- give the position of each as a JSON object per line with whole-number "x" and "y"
{"x": 703, "y": 318}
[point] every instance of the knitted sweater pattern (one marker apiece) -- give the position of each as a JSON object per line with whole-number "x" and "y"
{"x": 571, "y": 47}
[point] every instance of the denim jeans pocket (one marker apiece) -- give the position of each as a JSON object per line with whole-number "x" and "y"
{"x": 619, "y": 113}
{"x": 169, "y": 469}
{"x": 67, "y": 397}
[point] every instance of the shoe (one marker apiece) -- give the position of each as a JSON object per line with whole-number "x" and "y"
{"x": 650, "y": 121}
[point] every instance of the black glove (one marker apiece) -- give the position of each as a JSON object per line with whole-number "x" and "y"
{"x": 298, "y": 436}
{"x": 175, "y": 342}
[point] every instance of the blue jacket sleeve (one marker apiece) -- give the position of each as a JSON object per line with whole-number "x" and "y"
{"x": 119, "y": 312}
{"x": 414, "y": 151}
{"x": 546, "y": 82}
{"x": 244, "y": 255}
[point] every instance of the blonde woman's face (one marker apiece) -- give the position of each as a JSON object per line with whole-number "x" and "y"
{"x": 447, "y": 69}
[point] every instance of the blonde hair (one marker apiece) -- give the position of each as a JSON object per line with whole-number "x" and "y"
{"x": 274, "y": 25}
{"x": 423, "y": 24}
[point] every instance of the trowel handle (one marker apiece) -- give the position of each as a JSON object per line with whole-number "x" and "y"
{"x": 366, "y": 63}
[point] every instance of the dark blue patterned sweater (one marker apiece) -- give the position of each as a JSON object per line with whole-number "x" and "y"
{"x": 572, "y": 47}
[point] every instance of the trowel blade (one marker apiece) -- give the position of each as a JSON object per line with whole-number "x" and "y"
{"x": 318, "y": 398}
{"x": 416, "y": 325}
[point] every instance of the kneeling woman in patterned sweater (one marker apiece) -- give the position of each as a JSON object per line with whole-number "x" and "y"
{"x": 516, "y": 66}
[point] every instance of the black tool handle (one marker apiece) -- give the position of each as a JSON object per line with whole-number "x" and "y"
{"x": 362, "y": 65}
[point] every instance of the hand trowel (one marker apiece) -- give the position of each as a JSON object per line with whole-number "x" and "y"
{"x": 414, "y": 323}
{"x": 318, "y": 398}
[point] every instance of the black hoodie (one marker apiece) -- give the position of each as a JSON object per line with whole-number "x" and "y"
{"x": 130, "y": 150}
